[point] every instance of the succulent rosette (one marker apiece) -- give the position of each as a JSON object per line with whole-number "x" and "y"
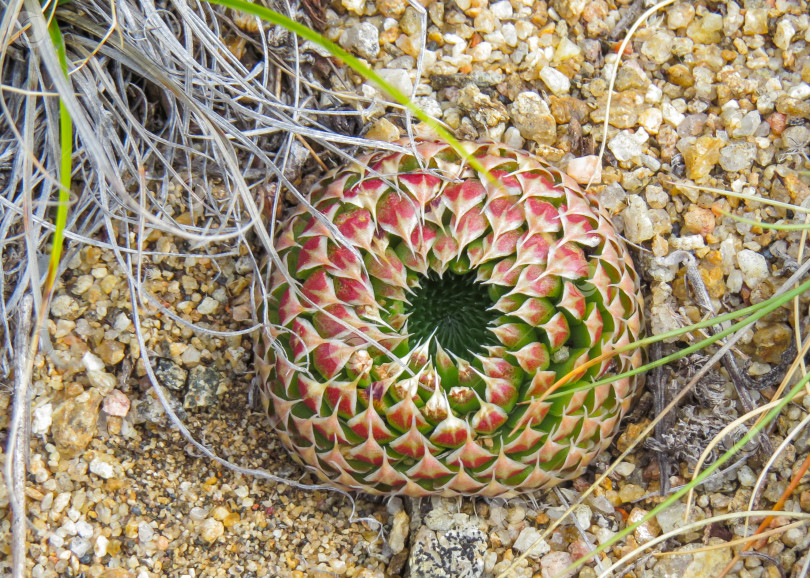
{"x": 417, "y": 325}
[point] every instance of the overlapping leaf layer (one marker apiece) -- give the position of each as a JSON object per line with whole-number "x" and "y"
{"x": 418, "y": 324}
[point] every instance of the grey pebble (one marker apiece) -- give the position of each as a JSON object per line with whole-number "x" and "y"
{"x": 363, "y": 39}
{"x": 458, "y": 552}
{"x": 170, "y": 375}
{"x": 202, "y": 387}
{"x": 738, "y": 156}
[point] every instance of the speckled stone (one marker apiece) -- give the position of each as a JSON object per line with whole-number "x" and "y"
{"x": 457, "y": 552}
{"x": 202, "y": 387}
{"x": 170, "y": 375}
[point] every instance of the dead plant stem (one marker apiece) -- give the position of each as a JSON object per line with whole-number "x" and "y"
{"x": 17, "y": 449}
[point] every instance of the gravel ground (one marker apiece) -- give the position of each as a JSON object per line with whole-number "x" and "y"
{"x": 716, "y": 94}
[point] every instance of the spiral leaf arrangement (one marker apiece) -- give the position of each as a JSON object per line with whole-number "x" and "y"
{"x": 419, "y": 321}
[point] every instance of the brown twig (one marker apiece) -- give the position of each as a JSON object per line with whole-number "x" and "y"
{"x": 742, "y": 384}
{"x": 627, "y": 19}
{"x": 773, "y": 561}
{"x": 17, "y": 449}
{"x": 303, "y": 141}
{"x": 656, "y": 383}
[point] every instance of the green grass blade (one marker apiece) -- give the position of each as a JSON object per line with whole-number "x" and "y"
{"x": 754, "y": 223}
{"x": 751, "y": 434}
{"x": 354, "y": 63}
{"x": 750, "y": 198}
{"x": 65, "y": 165}
{"x": 757, "y": 312}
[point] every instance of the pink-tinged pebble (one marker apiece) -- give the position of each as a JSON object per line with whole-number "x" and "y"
{"x": 555, "y": 564}
{"x": 116, "y": 403}
{"x": 579, "y": 549}
{"x": 778, "y": 122}
{"x": 580, "y": 169}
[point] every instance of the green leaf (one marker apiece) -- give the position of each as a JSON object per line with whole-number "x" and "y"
{"x": 65, "y": 165}
{"x": 354, "y": 63}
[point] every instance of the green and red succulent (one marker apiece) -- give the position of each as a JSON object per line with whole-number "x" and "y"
{"x": 417, "y": 323}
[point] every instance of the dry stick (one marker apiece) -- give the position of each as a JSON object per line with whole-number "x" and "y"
{"x": 579, "y": 527}
{"x": 17, "y": 449}
{"x": 770, "y": 559}
{"x": 772, "y": 460}
{"x": 613, "y": 74}
{"x": 797, "y": 477}
{"x": 304, "y": 142}
{"x": 705, "y": 303}
{"x": 737, "y": 541}
{"x": 689, "y": 528}
{"x": 730, "y": 342}
{"x": 656, "y": 383}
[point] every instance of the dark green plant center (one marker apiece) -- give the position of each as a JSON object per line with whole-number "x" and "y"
{"x": 454, "y": 309}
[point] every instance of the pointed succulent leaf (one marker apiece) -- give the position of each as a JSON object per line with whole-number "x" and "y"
{"x": 413, "y": 352}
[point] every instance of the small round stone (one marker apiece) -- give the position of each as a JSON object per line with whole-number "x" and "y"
{"x": 625, "y": 146}
{"x": 208, "y": 306}
{"x": 555, "y": 80}
{"x": 699, "y": 220}
{"x": 631, "y": 493}
{"x": 111, "y": 352}
{"x": 658, "y": 47}
{"x": 363, "y": 39}
{"x": 753, "y": 265}
{"x": 211, "y": 530}
{"x": 746, "y": 477}
{"x": 116, "y": 403}
{"x": 738, "y": 156}
{"x": 65, "y": 307}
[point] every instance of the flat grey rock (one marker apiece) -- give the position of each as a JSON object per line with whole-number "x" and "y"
{"x": 454, "y": 553}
